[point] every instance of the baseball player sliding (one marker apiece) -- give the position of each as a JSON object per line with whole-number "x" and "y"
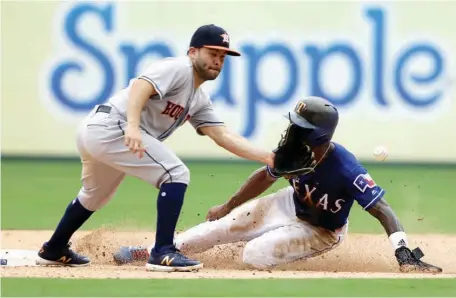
{"x": 125, "y": 135}
{"x": 305, "y": 219}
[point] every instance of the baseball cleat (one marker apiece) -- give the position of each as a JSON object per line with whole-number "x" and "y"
{"x": 171, "y": 261}
{"x": 61, "y": 257}
{"x": 130, "y": 254}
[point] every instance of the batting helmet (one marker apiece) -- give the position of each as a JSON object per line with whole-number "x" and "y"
{"x": 318, "y": 117}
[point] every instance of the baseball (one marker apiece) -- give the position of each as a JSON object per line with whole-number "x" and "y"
{"x": 380, "y": 153}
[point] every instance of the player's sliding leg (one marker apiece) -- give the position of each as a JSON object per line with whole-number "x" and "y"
{"x": 244, "y": 223}
{"x": 290, "y": 243}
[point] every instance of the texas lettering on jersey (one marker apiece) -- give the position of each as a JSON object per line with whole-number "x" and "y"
{"x": 311, "y": 196}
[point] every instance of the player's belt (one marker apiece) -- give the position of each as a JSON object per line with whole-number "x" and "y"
{"x": 103, "y": 109}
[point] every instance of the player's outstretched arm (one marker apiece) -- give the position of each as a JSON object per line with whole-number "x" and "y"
{"x": 237, "y": 144}
{"x": 258, "y": 182}
{"x": 383, "y": 212}
{"x": 409, "y": 261}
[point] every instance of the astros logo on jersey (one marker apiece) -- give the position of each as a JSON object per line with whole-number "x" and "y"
{"x": 174, "y": 111}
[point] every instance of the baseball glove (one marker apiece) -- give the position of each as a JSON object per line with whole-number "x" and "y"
{"x": 409, "y": 261}
{"x": 292, "y": 156}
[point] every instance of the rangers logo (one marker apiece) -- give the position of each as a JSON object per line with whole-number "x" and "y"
{"x": 364, "y": 181}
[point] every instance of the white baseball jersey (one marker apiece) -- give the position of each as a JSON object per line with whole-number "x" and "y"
{"x": 176, "y": 100}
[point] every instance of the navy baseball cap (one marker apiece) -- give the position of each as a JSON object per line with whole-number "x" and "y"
{"x": 212, "y": 37}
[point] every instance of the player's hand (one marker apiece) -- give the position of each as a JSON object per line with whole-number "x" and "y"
{"x": 133, "y": 140}
{"x": 217, "y": 212}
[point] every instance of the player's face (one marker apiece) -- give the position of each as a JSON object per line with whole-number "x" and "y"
{"x": 209, "y": 62}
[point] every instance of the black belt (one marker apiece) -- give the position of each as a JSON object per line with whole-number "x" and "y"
{"x": 103, "y": 109}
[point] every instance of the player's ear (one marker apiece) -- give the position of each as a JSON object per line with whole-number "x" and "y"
{"x": 192, "y": 52}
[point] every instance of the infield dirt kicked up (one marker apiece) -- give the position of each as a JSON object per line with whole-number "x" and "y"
{"x": 360, "y": 256}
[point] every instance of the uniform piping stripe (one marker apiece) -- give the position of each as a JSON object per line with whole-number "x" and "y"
{"x": 318, "y": 252}
{"x": 147, "y": 153}
{"x": 181, "y": 118}
{"x": 174, "y": 126}
{"x": 153, "y": 84}
{"x": 210, "y": 122}
{"x": 167, "y": 172}
{"x": 332, "y": 245}
{"x": 374, "y": 199}
{"x": 118, "y": 124}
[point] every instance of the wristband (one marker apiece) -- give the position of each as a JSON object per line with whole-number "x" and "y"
{"x": 398, "y": 239}
{"x": 271, "y": 172}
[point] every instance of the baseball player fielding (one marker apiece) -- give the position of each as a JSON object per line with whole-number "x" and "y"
{"x": 125, "y": 136}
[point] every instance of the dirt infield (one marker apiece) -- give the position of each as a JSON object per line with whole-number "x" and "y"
{"x": 361, "y": 255}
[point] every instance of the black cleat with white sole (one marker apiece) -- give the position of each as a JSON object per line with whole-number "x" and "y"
{"x": 48, "y": 256}
{"x": 171, "y": 260}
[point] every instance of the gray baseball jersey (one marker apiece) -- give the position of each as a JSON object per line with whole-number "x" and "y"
{"x": 176, "y": 102}
{"x": 100, "y": 139}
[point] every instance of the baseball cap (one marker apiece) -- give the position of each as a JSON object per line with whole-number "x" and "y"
{"x": 212, "y": 37}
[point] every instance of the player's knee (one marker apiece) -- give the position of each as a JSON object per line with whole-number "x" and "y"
{"x": 89, "y": 203}
{"x": 93, "y": 199}
{"x": 179, "y": 174}
{"x": 184, "y": 175}
{"x": 257, "y": 256}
